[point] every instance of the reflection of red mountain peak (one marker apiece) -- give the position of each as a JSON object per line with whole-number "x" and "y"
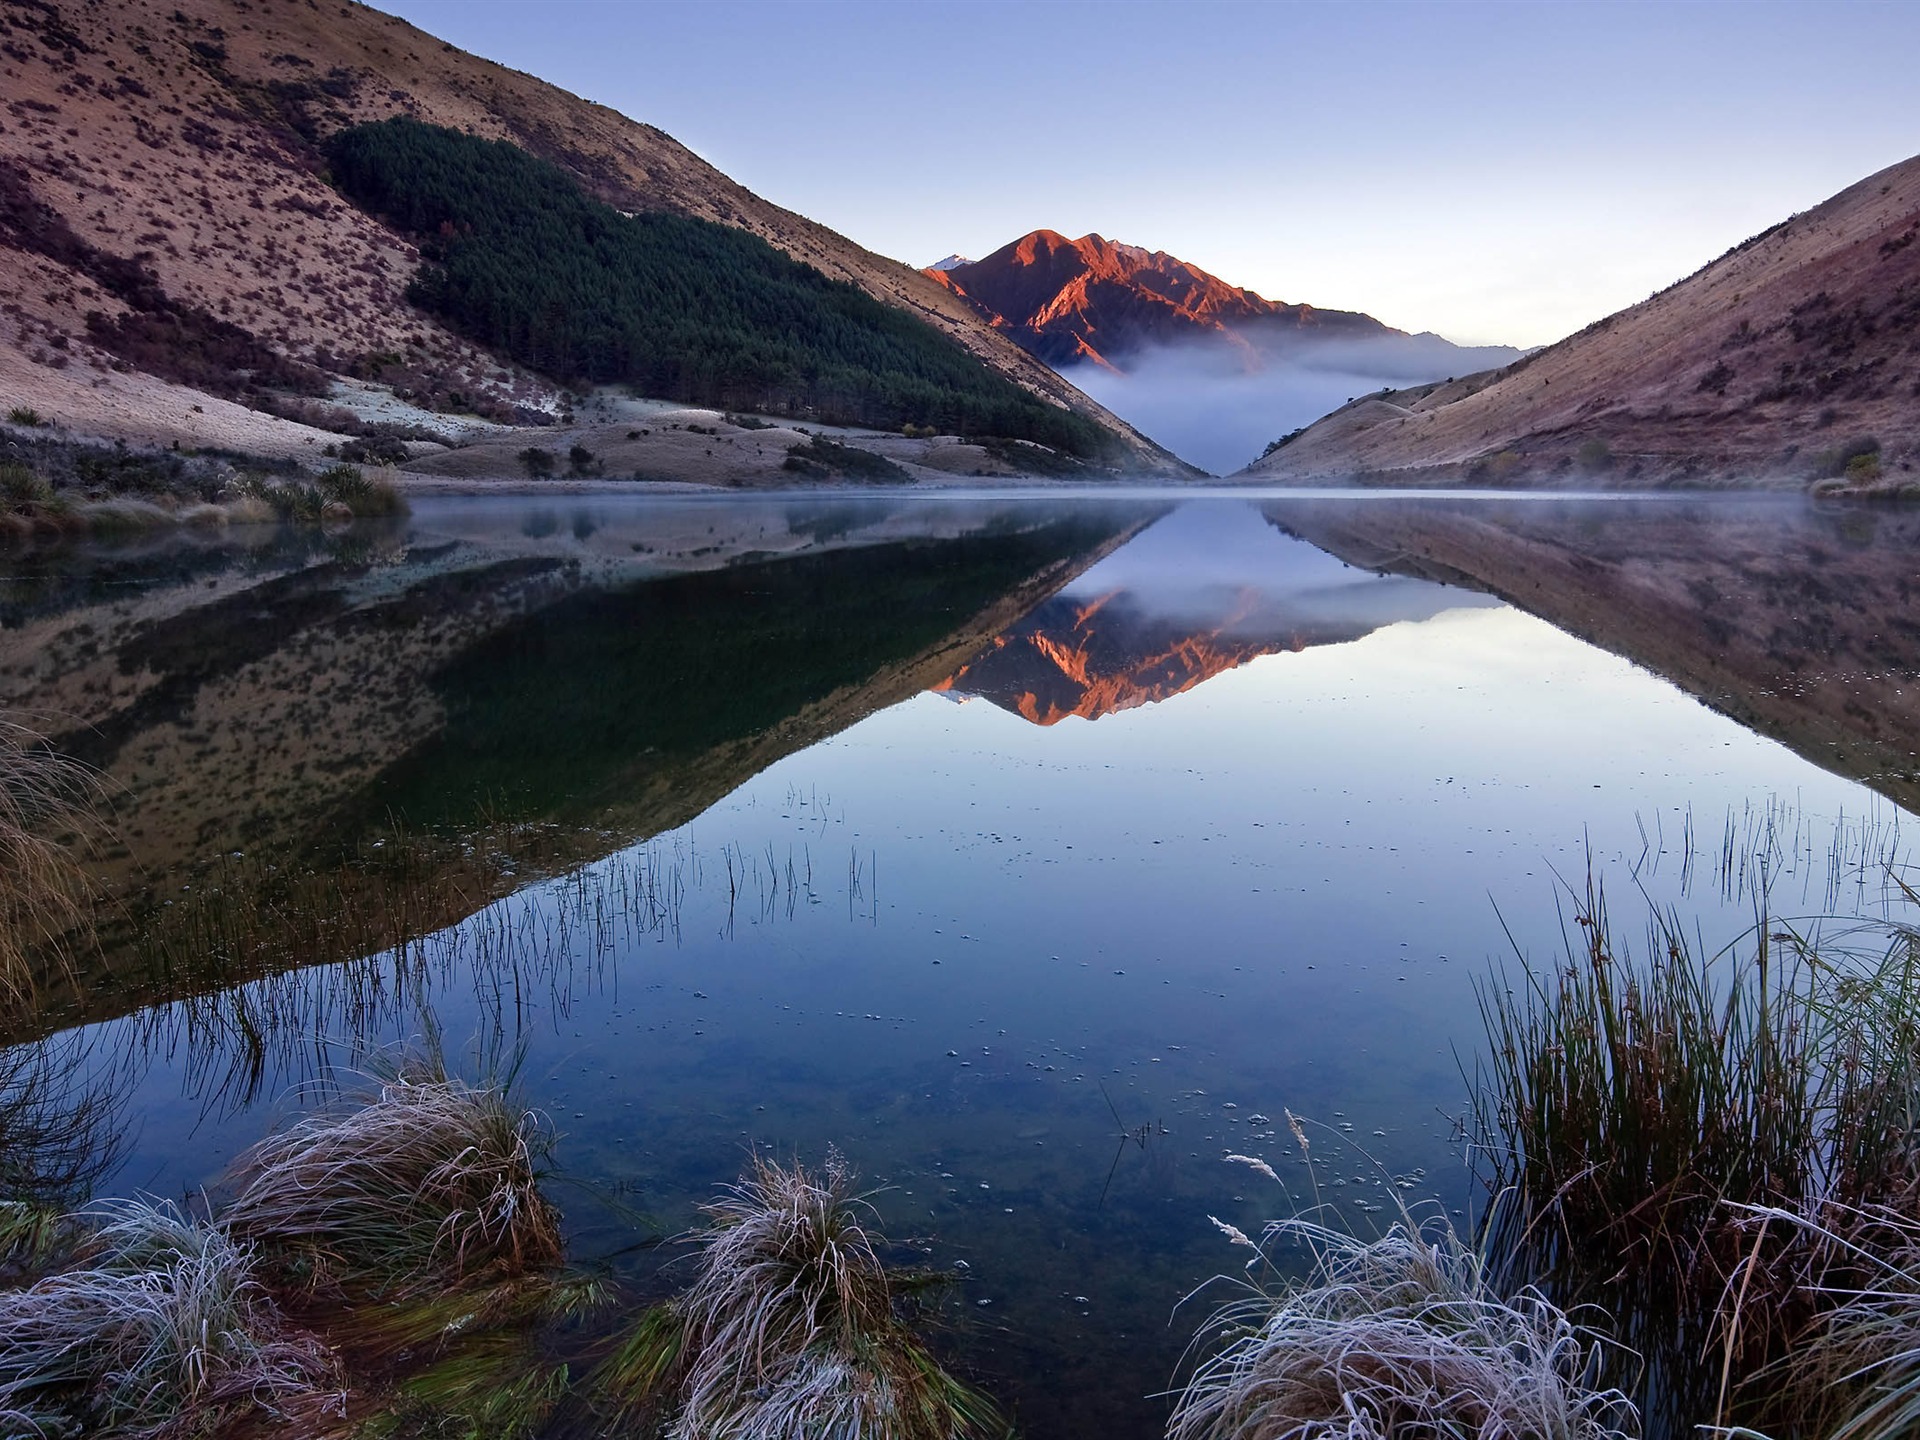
{"x": 1082, "y": 614}
{"x": 1068, "y": 660}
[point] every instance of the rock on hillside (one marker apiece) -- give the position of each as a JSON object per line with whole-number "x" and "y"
{"x": 1793, "y": 358}
{"x": 182, "y": 133}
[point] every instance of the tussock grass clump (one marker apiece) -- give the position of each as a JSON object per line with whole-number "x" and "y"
{"x": 162, "y": 1328}
{"x": 21, "y": 488}
{"x": 339, "y": 490}
{"x": 1397, "y": 1337}
{"x": 1643, "y": 1116}
{"x": 431, "y": 1185}
{"x": 367, "y": 496}
{"x": 791, "y": 1328}
{"x": 124, "y": 516}
{"x": 1854, "y": 1374}
{"x": 44, "y": 797}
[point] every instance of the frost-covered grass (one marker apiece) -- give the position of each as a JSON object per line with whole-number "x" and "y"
{"x": 1400, "y": 1336}
{"x": 426, "y": 1185}
{"x": 791, "y": 1328}
{"x": 161, "y": 1325}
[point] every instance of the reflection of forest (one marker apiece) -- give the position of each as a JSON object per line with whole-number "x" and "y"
{"x": 314, "y": 756}
{"x": 1797, "y": 620}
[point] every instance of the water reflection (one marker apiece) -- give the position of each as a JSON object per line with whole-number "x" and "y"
{"x": 1794, "y": 618}
{"x": 674, "y": 801}
{"x": 1198, "y": 593}
{"x": 318, "y": 751}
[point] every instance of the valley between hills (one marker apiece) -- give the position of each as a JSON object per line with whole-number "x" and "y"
{"x": 578, "y": 748}
{"x": 222, "y": 260}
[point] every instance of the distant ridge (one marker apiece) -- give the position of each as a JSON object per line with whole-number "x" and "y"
{"x": 952, "y": 262}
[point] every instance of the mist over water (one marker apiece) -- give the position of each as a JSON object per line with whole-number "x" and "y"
{"x": 1218, "y": 409}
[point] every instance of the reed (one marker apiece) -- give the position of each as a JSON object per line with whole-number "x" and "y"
{"x": 61, "y": 1130}
{"x": 1639, "y": 1112}
{"x": 427, "y": 1186}
{"x": 791, "y": 1328}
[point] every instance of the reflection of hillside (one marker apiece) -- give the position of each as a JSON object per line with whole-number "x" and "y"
{"x": 1197, "y": 594}
{"x": 266, "y": 727}
{"x": 1797, "y": 621}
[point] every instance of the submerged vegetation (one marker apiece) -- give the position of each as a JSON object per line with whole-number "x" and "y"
{"x": 523, "y": 261}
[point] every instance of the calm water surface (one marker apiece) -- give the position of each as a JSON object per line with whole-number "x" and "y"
{"x": 1035, "y": 853}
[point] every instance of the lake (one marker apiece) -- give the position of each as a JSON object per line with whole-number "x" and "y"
{"x": 1036, "y": 851}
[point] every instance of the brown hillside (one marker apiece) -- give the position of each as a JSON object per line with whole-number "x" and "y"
{"x": 1774, "y": 364}
{"x": 180, "y": 132}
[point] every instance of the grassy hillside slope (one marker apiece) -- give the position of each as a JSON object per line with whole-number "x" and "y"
{"x": 185, "y": 138}
{"x": 1785, "y": 361}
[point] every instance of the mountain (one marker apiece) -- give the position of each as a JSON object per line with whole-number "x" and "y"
{"x": 1096, "y": 301}
{"x": 1790, "y": 359}
{"x": 952, "y": 262}
{"x": 173, "y": 248}
{"x": 1211, "y": 370}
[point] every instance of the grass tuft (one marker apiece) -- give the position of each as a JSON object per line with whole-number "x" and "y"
{"x": 1398, "y": 1336}
{"x": 162, "y": 1327}
{"x": 790, "y": 1328}
{"x": 430, "y": 1186}
{"x": 1401, "y": 1336}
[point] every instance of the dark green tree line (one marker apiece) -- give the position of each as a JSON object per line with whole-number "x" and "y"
{"x": 520, "y": 259}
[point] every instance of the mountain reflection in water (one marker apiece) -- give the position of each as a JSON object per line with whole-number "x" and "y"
{"x": 1799, "y": 619}
{"x": 1198, "y": 593}
{"x": 652, "y": 798}
{"x": 275, "y": 716}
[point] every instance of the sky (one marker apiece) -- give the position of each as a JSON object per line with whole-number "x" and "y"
{"x": 1498, "y": 173}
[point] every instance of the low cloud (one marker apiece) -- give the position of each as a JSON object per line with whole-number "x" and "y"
{"x": 1218, "y": 408}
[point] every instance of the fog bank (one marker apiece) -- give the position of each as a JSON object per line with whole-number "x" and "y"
{"x": 1219, "y": 409}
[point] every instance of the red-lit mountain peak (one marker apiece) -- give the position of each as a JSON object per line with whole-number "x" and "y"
{"x": 1098, "y": 299}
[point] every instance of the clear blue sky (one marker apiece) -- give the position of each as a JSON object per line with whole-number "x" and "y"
{"x": 1496, "y": 172}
